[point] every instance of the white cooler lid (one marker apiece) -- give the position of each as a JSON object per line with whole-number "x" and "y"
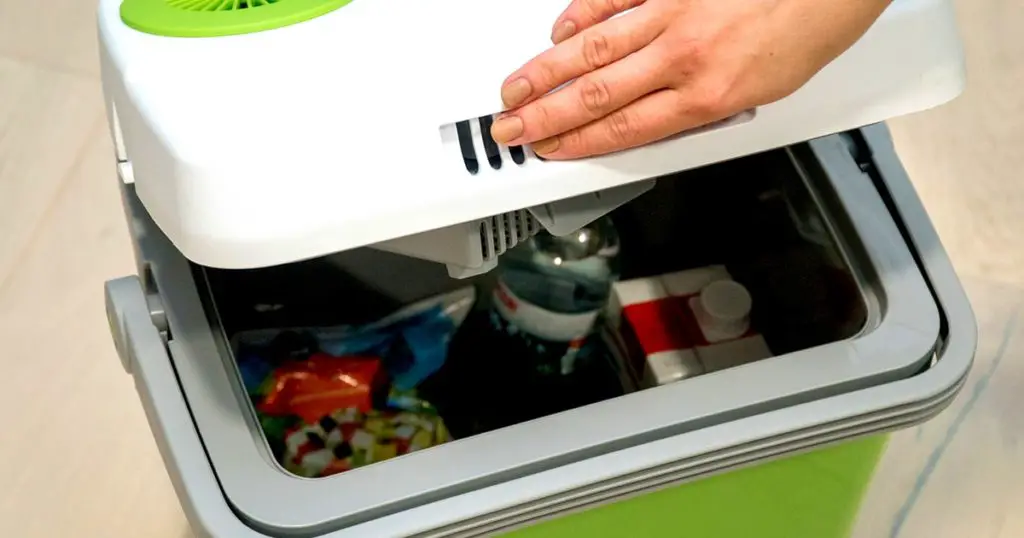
{"x": 339, "y": 132}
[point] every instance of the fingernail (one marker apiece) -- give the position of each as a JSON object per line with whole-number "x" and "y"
{"x": 563, "y": 31}
{"x": 546, "y": 146}
{"x": 515, "y": 92}
{"x": 507, "y": 129}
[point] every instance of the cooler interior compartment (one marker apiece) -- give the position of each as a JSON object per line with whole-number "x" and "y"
{"x": 757, "y": 220}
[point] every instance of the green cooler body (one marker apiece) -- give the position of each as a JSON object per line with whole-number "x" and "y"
{"x": 810, "y": 494}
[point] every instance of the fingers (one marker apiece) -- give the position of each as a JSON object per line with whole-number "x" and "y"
{"x": 587, "y": 99}
{"x": 588, "y": 51}
{"x": 651, "y": 118}
{"x": 582, "y": 14}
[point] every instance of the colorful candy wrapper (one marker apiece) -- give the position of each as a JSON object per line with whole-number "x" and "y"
{"x": 410, "y": 401}
{"x": 349, "y": 438}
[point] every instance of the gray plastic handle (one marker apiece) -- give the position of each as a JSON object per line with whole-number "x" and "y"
{"x": 144, "y": 355}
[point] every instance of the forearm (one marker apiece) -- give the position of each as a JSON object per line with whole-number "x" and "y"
{"x": 818, "y": 32}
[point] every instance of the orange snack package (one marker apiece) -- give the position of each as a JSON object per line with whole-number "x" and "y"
{"x": 320, "y": 385}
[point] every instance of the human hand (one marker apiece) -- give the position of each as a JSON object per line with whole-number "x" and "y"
{"x": 668, "y": 66}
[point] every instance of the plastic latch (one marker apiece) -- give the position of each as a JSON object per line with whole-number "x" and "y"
{"x": 154, "y": 303}
{"x": 157, "y": 314}
{"x": 125, "y": 172}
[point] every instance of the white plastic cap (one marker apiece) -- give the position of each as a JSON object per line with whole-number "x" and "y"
{"x": 725, "y": 308}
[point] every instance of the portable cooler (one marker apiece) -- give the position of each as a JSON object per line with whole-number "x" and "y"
{"x": 257, "y": 134}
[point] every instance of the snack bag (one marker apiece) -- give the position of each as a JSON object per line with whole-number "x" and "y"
{"x": 412, "y": 343}
{"x": 319, "y": 385}
{"x": 255, "y": 363}
{"x": 349, "y": 438}
{"x": 331, "y": 399}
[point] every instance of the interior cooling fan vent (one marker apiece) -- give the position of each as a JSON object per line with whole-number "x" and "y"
{"x": 213, "y": 18}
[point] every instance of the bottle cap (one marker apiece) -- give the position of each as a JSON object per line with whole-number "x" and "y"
{"x": 726, "y": 306}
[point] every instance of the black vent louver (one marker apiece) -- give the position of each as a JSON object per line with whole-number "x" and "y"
{"x": 492, "y": 151}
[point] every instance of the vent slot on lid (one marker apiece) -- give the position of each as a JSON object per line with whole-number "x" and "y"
{"x": 501, "y": 233}
{"x": 476, "y": 144}
{"x": 497, "y": 230}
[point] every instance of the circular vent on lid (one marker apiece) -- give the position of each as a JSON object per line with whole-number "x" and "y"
{"x": 219, "y": 5}
{"x": 212, "y": 18}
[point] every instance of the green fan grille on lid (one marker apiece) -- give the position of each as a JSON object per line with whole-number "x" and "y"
{"x": 212, "y": 18}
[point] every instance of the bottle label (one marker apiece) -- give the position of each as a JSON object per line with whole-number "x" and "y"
{"x": 554, "y": 338}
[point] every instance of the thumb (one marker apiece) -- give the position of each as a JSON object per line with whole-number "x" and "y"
{"x": 582, "y": 14}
